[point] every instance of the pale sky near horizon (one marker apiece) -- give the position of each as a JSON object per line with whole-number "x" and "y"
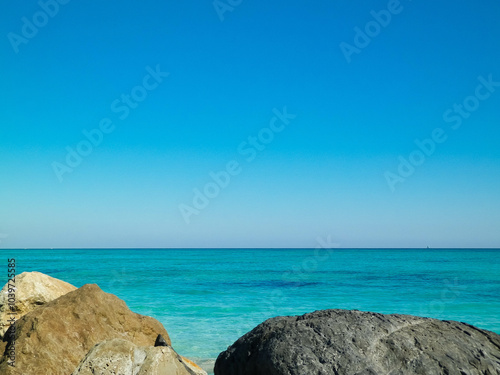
{"x": 376, "y": 123}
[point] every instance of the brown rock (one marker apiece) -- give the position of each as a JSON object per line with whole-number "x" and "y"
{"x": 123, "y": 357}
{"x": 54, "y": 338}
{"x": 32, "y": 290}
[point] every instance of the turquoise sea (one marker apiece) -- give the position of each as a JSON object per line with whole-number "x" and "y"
{"x": 207, "y": 298}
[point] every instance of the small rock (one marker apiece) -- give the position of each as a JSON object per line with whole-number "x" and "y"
{"x": 160, "y": 341}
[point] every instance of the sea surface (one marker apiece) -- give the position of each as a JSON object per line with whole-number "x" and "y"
{"x": 207, "y": 298}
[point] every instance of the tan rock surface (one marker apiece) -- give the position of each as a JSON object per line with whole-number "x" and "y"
{"x": 33, "y": 289}
{"x": 193, "y": 366}
{"x": 123, "y": 357}
{"x": 55, "y": 337}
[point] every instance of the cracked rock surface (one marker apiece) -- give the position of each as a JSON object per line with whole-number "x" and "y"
{"x": 346, "y": 342}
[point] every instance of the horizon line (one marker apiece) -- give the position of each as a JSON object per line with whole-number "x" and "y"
{"x": 252, "y": 248}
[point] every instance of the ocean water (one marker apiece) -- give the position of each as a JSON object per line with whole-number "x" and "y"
{"x": 207, "y": 298}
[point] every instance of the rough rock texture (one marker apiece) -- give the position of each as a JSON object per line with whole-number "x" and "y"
{"x": 123, "y": 357}
{"x": 33, "y": 289}
{"x": 54, "y": 338}
{"x": 345, "y": 342}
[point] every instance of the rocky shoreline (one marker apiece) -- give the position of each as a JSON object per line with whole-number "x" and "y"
{"x": 62, "y": 330}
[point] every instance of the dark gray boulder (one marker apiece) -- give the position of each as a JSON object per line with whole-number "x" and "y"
{"x": 345, "y": 342}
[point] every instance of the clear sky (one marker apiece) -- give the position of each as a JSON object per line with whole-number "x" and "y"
{"x": 337, "y": 91}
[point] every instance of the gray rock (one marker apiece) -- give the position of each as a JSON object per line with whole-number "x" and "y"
{"x": 344, "y": 342}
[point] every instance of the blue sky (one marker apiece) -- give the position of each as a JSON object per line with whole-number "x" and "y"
{"x": 334, "y": 169}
